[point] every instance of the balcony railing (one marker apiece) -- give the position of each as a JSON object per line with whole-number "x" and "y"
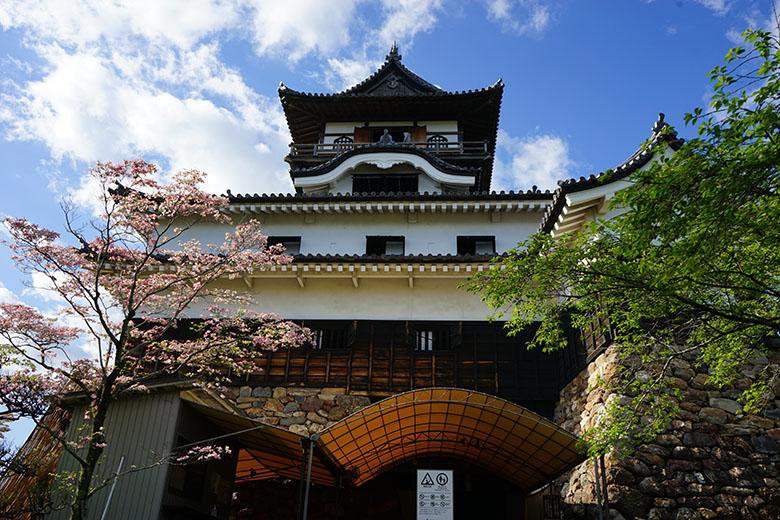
{"x": 464, "y": 148}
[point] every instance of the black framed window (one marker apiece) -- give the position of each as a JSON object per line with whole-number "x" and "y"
{"x": 476, "y": 245}
{"x": 385, "y": 245}
{"x": 424, "y": 340}
{"x": 431, "y": 337}
{"x": 292, "y": 245}
{"x": 387, "y": 183}
{"x": 331, "y": 335}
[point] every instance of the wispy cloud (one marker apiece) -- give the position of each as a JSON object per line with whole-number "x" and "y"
{"x": 148, "y": 77}
{"x": 536, "y": 160}
{"x": 520, "y": 16}
{"x": 719, "y": 7}
{"x": 402, "y": 21}
{"x": 7, "y": 295}
{"x": 297, "y": 28}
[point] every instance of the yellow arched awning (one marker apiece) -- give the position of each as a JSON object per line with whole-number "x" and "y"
{"x": 502, "y": 437}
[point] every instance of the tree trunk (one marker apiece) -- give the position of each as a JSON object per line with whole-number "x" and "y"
{"x": 78, "y": 508}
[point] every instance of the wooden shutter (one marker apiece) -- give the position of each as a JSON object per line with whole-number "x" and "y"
{"x": 419, "y": 135}
{"x": 362, "y": 134}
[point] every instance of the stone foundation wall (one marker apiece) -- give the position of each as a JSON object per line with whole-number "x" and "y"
{"x": 300, "y": 410}
{"x": 714, "y": 461}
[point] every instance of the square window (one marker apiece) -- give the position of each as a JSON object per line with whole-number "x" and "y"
{"x": 476, "y": 245}
{"x": 424, "y": 340}
{"x": 292, "y": 245}
{"x": 383, "y": 245}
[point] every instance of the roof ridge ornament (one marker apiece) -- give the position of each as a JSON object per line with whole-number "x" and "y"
{"x": 659, "y": 123}
{"x": 393, "y": 54}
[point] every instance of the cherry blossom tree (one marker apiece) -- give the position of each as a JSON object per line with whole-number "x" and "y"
{"x": 127, "y": 280}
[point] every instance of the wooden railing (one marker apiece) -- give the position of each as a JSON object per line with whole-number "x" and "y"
{"x": 441, "y": 147}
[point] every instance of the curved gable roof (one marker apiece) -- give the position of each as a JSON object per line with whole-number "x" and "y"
{"x": 661, "y": 133}
{"x": 392, "y": 78}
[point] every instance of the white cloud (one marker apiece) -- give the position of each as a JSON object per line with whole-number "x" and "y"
{"x": 7, "y": 295}
{"x": 719, "y": 7}
{"x": 146, "y": 77}
{"x": 520, "y": 16}
{"x": 42, "y": 288}
{"x": 136, "y": 79}
{"x": 404, "y": 19}
{"x": 346, "y": 72}
{"x": 538, "y": 160}
{"x": 83, "y": 22}
{"x": 298, "y": 27}
{"x": 87, "y": 109}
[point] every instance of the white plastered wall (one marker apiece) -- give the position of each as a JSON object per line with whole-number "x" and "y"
{"x": 425, "y": 233}
{"x": 373, "y": 299}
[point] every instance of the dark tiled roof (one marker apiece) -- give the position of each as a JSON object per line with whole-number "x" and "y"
{"x": 393, "y": 258}
{"x": 661, "y": 133}
{"x": 533, "y": 194}
{"x": 476, "y": 110}
{"x": 374, "y": 148}
{"x": 392, "y": 65}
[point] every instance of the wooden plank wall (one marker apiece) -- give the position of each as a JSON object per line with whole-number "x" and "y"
{"x": 382, "y": 361}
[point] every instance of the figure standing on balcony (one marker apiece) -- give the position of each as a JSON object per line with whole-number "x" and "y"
{"x": 386, "y": 137}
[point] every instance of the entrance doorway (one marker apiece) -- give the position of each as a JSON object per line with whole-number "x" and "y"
{"x": 390, "y": 496}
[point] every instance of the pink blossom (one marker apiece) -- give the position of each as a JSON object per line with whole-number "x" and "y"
{"x": 129, "y": 277}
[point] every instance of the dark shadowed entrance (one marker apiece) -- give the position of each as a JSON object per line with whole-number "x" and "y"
{"x": 364, "y": 465}
{"x": 390, "y": 496}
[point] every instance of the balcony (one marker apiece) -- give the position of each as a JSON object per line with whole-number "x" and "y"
{"x": 459, "y": 149}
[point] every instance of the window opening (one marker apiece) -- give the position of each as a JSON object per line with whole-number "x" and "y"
{"x": 385, "y": 245}
{"x": 292, "y": 245}
{"x": 331, "y": 335}
{"x": 476, "y": 245}
{"x": 423, "y": 341}
{"x": 387, "y": 183}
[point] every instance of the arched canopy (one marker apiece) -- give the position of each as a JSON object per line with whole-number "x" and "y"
{"x": 500, "y": 436}
{"x": 497, "y": 435}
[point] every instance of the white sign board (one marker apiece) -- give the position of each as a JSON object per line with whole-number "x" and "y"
{"x": 434, "y": 494}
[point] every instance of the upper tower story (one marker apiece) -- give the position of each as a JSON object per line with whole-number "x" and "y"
{"x": 393, "y": 132}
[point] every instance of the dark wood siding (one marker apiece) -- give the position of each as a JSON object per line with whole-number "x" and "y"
{"x": 381, "y": 360}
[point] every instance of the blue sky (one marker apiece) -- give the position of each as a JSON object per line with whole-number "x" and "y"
{"x": 193, "y": 84}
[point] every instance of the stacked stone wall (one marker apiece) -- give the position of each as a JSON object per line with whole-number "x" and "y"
{"x": 300, "y": 410}
{"x": 714, "y": 461}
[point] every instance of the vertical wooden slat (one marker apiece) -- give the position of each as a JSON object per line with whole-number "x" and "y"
{"x": 327, "y": 369}
{"x": 496, "y": 375}
{"x": 349, "y": 370}
{"x": 433, "y": 369}
{"x": 390, "y": 381}
{"x": 475, "y": 363}
{"x": 287, "y": 367}
{"x": 412, "y": 359}
{"x": 370, "y": 355}
{"x": 306, "y": 367}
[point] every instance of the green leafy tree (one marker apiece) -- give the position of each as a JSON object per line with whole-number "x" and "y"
{"x": 690, "y": 270}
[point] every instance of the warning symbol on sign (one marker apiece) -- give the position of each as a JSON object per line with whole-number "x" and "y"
{"x": 435, "y": 492}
